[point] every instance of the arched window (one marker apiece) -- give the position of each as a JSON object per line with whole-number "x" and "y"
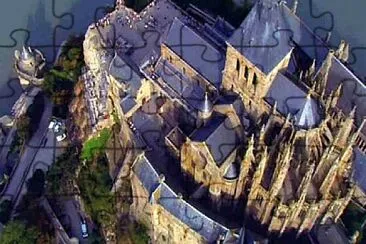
{"x": 237, "y": 65}
{"x": 246, "y": 73}
{"x": 255, "y": 79}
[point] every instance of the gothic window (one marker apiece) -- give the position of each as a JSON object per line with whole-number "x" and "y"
{"x": 246, "y": 73}
{"x": 237, "y": 65}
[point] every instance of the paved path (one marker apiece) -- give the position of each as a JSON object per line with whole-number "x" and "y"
{"x": 17, "y": 180}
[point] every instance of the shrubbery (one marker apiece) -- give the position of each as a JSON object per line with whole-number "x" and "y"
{"x": 96, "y": 146}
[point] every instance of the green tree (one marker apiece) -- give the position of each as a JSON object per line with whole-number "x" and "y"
{"x": 96, "y": 146}
{"x": 5, "y": 211}
{"x": 23, "y": 129}
{"x": 62, "y": 172}
{"x": 16, "y": 232}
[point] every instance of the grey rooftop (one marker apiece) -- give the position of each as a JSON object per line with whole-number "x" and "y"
{"x": 269, "y": 33}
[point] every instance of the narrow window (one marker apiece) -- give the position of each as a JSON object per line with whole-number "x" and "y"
{"x": 255, "y": 81}
{"x": 184, "y": 71}
{"x": 237, "y": 65}
{"x": 246, "y": 72}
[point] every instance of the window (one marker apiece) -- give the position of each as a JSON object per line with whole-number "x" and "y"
{"x": 237, "y": 65}
{"x": 246, "y": 72}
{"x": 255, "y": 81}
{"x": 184, "y": 71}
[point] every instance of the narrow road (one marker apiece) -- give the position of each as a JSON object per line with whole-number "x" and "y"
{"x": 31, "y": 148}
{"x": 56, "y": 223}
{"x": 5, "y": 149}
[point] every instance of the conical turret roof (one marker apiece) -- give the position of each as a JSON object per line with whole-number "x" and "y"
{"x": 25, "y": 55}
{"x": 206, "y": 106}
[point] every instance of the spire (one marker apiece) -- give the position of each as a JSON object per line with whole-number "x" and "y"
{"x": 353, "y": 112}
{"x": 262, "y": 134}
{"x": 342, "y": 52}
{"x": 323, "y": 76}
{"x": 257, "y": 177}
{"x": 304, "y": 185}
{"x": 357, "y": 133}
{"x": 206, "y": 106}
{"x": 294, "y": 7}
{"x": 25, "y": 55}
{"x": 328, "y": 36}
{"x": 311, "y": 70}
{"x": 336, "y": 95}
{"x": 274, "y": 108}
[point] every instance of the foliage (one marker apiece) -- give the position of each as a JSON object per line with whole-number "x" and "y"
{"x": 59, "y": 81}
{"x": 22, "y": 125}
{"x": 16, "y": 232}
{"x": 138, "y": 233}
{"x": 95, "y": 238}
{"x": 96, "y": 146}
{"x": 34, "y": 216}
{"x": 62, "y": 172}
{"x": 5, "y": 211}
{"x": 35, "y": 185}
{"x": 95, "y": 186}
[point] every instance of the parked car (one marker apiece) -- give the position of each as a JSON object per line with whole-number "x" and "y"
{"x": 51, "y": 125}
{"x": 61, "y": 137}
{"x": 84, "y": 228}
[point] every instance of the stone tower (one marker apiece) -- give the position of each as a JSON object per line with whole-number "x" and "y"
{"x": 29, "y": 66}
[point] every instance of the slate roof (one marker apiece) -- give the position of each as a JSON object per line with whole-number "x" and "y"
{"x": 185, "y": 88}
{"x": 232, "y": 172}
{"x": 196, "y": 51}
{"x": 125, "y": 74}
{"x": 291, "y": 99}
{"x": 359, "y": 169}
{"x": 219, "y": 135}
{"x": 267, "y": 34}
{"x": 189, "y": 215}
{"x": 127, "y": 103}
{"x": 146, "y": 174}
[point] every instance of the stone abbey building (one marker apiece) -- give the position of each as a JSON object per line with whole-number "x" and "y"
{"x": 231, "y": 127}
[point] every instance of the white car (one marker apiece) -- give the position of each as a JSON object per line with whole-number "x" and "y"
{"x": 51, "y": 125}
{"x": 60, "y": 137}
{"x": 84, "y": 229}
